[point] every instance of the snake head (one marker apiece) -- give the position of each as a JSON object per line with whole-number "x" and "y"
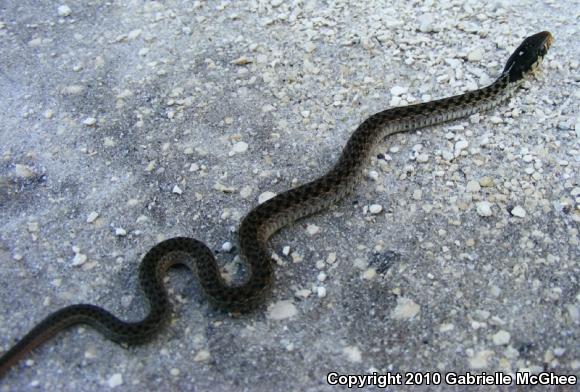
{"x": 528, "y": 56}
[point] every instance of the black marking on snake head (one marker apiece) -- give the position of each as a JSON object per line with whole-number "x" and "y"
{"x": 527, "y": 56}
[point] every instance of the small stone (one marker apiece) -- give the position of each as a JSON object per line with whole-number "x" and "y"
{"x": 480, "y": 360}
{"x": 473, "y": 186}
{"x": 23, "y": 171}
{"x": 115, "y": 380}
{"x": 246, "y": 192}
{"x": 276, "y": 3}
{"x": 241, "y": 61}
{"x": 375, "y": 208}
{"x": 486, "y": 182}
{"x": 227, "y": 246}
{"x": 312, "y": 229}
{"x": 120, "y": 232}
{"x": 352, "y": 354}
{"x": 79, "y": 259}
{"x": 321, "y": 291}
{"x": 484, "y": 208}
{"x": 64, "y": 10}
{"x": 223, "y": 188}
{"x": 417, "y": 194}
{"x": 398, "y": 90}
{"x": 90, "y": 121}
{"x": 202, "y": 356}
{"x": 501, "y": 338}
{"x": 174, "y": 372}
{"x": 475, "y": 55}
{"x": 265, "y": 196}
{"x": 461, "y": 145}
{"x": 48, "y": 114}
{"x": 426, "y": 23}
{"x": 448, "y": 156}
{"x": 406, "y": 309}
{"x": 373, "y": 175}
{"x": 282, "y": 310}
{"x": 573, "y": 312}
{"x": 92, "y": 217}
{"x": 240, "y": 147}
{"x": 286, "y": 250}
{"x": 559, "y": 351}
{"x": 422, "y": 158}
{"x": 177, "y": 190}
{"x": 369, "y": 274}
{"x": 302, "y": 293}
{"x": 134, "y": 34}
{"x": 518, "y": 211}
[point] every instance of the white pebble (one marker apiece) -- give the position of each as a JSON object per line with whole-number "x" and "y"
{"x": 90, "y": 121}
{"x": 64, "y": 10}
{"x": 202, "y": 356}
{"x": 448, "y": 156}
{"x": 369, "y": 274}
{"x": 227, "y": 246}
{"x": 375, "y": 208}
{"x": 115, "y": 380}
{"x": 177, "y": 190}
{"x": 398, "y": 90}
{"x": 518, "y": 211}
{"x": 475, "y": 55}
{"x": 286, "y": 250}
{"x": 417, "y": 194}
{"x": 79, "y": 259}
{"x": 484, "y": 208}
{"x": 302, "y": 293}
{"x": 282, "y": 310}
{"x": 461, "y": 145}
{"x": 23, "y": 171}
{"x": 245, "y": 192}
{"x": 265, "y": 196}
{"x": 240, "y": 147}
{"x": 422, "y": 158}
{"x": 479, "y": 360}
{"x": 321, "y": 291}
{"x": 473, "y": 186}
{"x": 426, "y": 23}
{"x": 406, "y": 309}
{"x": 373, "y": 175}
{"x": 312, "y": 229}
{"x": 120, "y": 232}
{"x": 92, "y": 217}
{"x": 501, "y": 338}
{"x": 352, "y": 354}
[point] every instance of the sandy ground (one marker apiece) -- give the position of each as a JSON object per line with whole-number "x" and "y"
{"x": 124, "y": 123}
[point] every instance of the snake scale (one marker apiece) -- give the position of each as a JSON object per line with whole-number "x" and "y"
{"x": 268, "y": 217}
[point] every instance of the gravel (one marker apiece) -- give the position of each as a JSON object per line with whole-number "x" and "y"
{"x": 125, "y": 123}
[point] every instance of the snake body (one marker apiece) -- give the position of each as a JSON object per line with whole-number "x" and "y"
{"x": 268, "y": 217}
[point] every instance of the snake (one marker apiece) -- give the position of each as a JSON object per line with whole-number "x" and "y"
{"x": 268, "y": 217}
